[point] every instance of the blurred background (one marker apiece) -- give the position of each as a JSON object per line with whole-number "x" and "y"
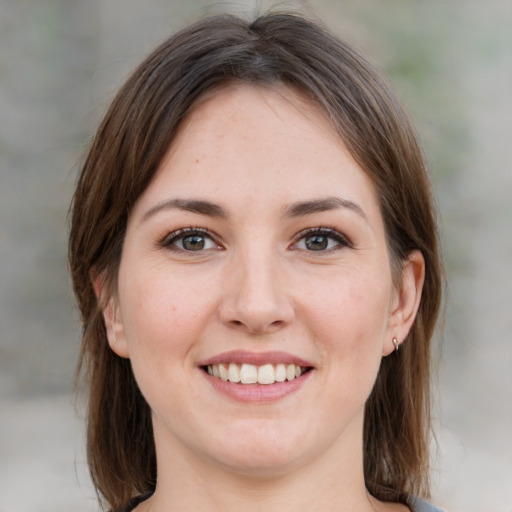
{"x": 60, "y": 63}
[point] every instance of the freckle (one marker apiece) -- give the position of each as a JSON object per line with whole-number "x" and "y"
{"x": 197, "y": 160}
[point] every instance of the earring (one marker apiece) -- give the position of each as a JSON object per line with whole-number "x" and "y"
{"x": 397, "y": 345}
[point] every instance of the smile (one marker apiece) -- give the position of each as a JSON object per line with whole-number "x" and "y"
{"x": 252, "y": 374}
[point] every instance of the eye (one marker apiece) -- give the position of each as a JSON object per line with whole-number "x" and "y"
{"x": 320, "y": 240}
{"x": 190, "y": 240}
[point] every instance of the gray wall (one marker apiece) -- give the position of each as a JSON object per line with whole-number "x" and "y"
{"x": 60, "y": 63}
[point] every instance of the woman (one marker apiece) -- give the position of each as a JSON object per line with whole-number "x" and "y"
{"x": 254, "y": 253}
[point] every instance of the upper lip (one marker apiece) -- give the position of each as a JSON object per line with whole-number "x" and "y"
{"x": 255, "y": 358}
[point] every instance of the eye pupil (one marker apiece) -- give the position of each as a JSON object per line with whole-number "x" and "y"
{"x": 193, "y": 242}
{"x": 317, "y": 242}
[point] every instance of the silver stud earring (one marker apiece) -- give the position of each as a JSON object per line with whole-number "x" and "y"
{"x": 397, "y": 345}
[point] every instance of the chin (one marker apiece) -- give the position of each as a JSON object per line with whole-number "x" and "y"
{"x": 261, "y": 464}
{"x": 269, "y": 450}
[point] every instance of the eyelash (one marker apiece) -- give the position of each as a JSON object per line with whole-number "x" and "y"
{"x": 180, "y": 234}
{"x": 329, "y": 233}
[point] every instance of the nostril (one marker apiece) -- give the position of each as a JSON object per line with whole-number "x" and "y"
{"x": 256, "y": 328}
{"x": 274, "y": 326}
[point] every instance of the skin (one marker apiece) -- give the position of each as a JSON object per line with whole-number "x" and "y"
{"x": 257, "y": 286}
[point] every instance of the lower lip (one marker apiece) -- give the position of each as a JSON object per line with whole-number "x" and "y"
{"x": 254, "y": 393}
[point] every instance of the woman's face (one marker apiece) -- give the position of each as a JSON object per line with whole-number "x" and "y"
{"x": 257, "y": 253}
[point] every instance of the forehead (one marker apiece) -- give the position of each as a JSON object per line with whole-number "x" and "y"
{"x": 285, "y": 113}
{"x": 273, "y": 142}
{"x": 240, "y": 98}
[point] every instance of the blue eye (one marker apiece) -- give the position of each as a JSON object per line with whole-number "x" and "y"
{"x": 189, "y": 240}
{"x": 321, "y": 240}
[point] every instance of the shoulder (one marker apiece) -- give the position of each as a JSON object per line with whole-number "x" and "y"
{"x": 418, "y": 505}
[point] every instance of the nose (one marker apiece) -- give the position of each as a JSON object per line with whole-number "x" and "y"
{"x": 256, "y": 298}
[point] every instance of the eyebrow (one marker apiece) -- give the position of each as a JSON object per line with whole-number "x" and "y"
{"x": 198, "y": 206}
{"x": 298, "y": 209}
{"x": 302, "y": 208}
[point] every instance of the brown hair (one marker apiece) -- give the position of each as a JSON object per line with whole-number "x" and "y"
{"x": 125, "y": 153}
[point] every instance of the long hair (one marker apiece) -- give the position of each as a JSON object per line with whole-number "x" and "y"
{"x": 129, "y": 145}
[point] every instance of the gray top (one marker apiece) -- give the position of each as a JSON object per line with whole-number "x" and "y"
{"x": 418, "y": 505}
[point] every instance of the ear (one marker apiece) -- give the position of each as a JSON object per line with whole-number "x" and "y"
{"x": 112, "y": 317}
{"x": 406, "y": 301}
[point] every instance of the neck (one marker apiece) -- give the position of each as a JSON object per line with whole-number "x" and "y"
{"x": 333, "y": 480}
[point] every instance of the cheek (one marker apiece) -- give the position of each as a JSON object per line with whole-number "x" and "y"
{"x": 163, "y": 320}
{"x": 350, "y": 308}
{"x": 163, "y": 315}
{"x": 348, "y": 317}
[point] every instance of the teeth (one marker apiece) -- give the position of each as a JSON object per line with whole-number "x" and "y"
{"x": 234, "y": 373}
{"x": 223, "y": 371}
{"x": 248, "y": 374}
{"x": 280, "y": 373}
{"x": 290, "y": 372}
{"x": 266, "y": 374}
{"x": 251, "y": 374}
